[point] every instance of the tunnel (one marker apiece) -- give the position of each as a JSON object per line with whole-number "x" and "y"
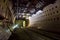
{"x": 29, "y": 19}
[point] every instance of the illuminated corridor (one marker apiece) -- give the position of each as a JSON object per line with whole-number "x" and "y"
{"x": 29, "y": 19}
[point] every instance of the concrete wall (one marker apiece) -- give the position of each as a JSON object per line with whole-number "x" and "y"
{"x": 49, "y": 19}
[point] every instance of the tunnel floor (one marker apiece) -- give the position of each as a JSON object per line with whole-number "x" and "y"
{"x": 33, "y": 34}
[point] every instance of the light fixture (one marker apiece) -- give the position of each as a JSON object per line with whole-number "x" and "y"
{"x": 15, "y": 26}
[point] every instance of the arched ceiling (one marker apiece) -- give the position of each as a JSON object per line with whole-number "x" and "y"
{"x": 20, "y": 6}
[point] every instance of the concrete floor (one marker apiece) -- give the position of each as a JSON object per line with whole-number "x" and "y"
{"x": 33, "y": 34}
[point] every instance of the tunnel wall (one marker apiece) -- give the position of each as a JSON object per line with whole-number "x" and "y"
{"x": 5, "y": 14}
{"x": 49, "y": 19}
